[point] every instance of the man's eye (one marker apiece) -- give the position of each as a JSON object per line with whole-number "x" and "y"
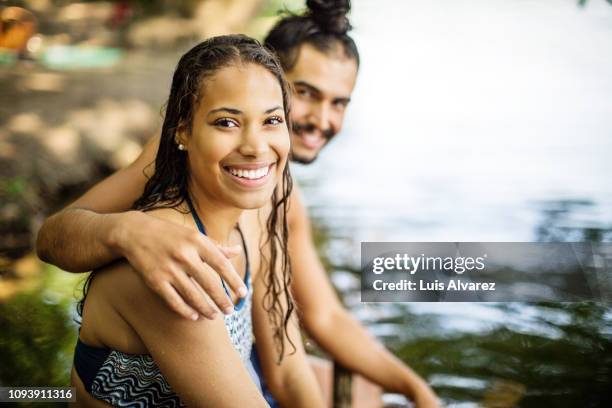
{"x": 303, "y": 92}
{"x": 227, "y": 123}
{"x": 340, "y": 104}
{"x": 274, "y": 120}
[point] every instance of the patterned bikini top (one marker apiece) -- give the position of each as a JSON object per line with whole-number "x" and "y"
{"x": 134, "y": 380}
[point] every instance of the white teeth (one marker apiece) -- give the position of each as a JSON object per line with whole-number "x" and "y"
{"x": 250, "y": 174}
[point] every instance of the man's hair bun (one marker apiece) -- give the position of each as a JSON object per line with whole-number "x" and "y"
{"x": 324, "y": 25}
{"x": 330, "y": 15}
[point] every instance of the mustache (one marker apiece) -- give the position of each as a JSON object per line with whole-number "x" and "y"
{"x": 307, "y": 127}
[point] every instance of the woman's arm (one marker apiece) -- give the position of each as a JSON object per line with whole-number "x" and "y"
{"x": 292, "y": 383}
{"x": 197, "y": 358}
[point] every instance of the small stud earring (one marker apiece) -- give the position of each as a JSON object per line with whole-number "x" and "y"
{"x": 181, "y": 147}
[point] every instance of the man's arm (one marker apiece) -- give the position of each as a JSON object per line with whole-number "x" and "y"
{"x": 331, "y": 326}
{"x": 92, "y": 232}
{"x": 84, "y": 235}
{"x": 292, "y": 382}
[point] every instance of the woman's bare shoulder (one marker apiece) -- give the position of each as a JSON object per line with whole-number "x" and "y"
{"x": 178, "y": 215}
{"x": 125, "y": 291}
{"x": 117, "y": 279}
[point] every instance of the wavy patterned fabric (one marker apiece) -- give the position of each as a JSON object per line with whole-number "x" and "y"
{"x": 133, "y": 381}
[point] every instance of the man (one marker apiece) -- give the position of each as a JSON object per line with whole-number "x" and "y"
{"x": 321, "y": 62}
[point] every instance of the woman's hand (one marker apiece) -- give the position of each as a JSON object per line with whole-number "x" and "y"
{"x": 173, "y": 260}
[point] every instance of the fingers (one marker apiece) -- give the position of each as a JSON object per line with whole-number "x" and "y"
{"x": 210, "y": 283}
{"x": 196, "y": 257}
{"x": 219, "y": 262}
{"x": 192, "y": 296}
{"x": 230, "y": 251}
{"x": 175, "y": 301}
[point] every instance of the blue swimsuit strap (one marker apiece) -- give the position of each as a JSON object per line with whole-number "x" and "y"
{"x": 198, "y": 222}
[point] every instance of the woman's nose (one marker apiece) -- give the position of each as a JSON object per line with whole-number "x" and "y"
{"x": 253, "y": 143}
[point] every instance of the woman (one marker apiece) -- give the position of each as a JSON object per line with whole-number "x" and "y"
{"x": 223, "y": 150}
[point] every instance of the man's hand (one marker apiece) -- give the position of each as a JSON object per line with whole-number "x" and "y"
{"x": 427, "y": 400}
{"x": 181, "y": 265}
{"x": 423, "y": 396}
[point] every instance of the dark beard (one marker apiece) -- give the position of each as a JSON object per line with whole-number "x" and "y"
{"x": 301, "y": 159}
{"x": 328, "y": 134}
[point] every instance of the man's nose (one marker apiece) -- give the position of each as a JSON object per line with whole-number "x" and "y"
{"x": 253, "y": 143}
{"x": 320, "y": 116}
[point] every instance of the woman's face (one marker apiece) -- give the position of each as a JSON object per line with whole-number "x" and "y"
{"x": 239, "y": 141}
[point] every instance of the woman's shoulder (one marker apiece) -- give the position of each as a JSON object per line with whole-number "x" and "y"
{"x": 103, "y": 324}
{"x": 116, "y": 279}
{"x": 120, "y": 286}
{"x": 176, "y": 214}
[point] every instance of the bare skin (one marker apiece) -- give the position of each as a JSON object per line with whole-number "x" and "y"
{"x": 122, "y": 313}
{"x": 160, "y": 252}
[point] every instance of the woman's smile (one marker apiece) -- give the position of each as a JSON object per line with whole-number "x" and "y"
{"x": 250, "y": 175}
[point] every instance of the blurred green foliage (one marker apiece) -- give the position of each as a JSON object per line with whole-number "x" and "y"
{"x": 38, "y": 333}
{"x": 12, "y": 186}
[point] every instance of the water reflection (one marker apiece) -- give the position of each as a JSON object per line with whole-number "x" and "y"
{"x": 568, "y": 365}
{"x": 501, "y": 354}
{"x": 571, "y": 221}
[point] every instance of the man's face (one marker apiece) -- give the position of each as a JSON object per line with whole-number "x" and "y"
{"x": 322, "y": 84}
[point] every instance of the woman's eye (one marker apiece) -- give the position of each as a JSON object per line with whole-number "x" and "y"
{"x": 227, "y": 123}
{"x": 274, "y": 120}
